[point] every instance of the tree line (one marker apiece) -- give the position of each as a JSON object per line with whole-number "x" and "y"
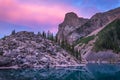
{"x": 49, "y": 35}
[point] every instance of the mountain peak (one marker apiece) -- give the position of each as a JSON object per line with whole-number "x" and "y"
{"x": 70, "y": 16}
{"x": 70, "y": 23}
{"x": 70, "y": 19}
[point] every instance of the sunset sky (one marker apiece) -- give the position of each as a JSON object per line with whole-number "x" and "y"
{"x": 39, "y": 15}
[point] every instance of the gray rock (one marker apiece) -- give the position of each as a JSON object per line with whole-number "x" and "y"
{"x": 5, "y": 61}
{"x": 1, "y": 51}
{"x": 71, "y": 22}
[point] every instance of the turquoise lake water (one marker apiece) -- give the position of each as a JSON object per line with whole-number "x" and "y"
{"x": 88, "y": 72}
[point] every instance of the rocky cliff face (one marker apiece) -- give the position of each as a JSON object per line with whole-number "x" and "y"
{"x": 86, "y": 26}
{"x": 70, "y": 23}
{"x": 26, "y": 49}
{"x": 95, "y": 33}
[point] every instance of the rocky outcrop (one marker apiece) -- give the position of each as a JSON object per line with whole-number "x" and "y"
{"x": 26, "y": 49}
{"x": 70, "y": 23}
{"x": 86, "y": 26}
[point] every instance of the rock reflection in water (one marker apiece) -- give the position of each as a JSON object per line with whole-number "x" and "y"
{"x": 89, "y": 72}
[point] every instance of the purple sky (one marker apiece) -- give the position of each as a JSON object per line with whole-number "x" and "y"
{"x": 39, "y": 15}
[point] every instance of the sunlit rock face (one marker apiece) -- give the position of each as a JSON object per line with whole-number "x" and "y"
{"x": 71, "y": 22}
{"x": 26, "y": 49}
{"x": 74, "y": 27}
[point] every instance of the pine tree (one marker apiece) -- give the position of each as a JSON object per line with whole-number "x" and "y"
{"x": 80, "y": 57}
{"x": 52, "y": 37}
{"x": 55, "y": 39}
{"x": 58, "y": 41}
{"x": 48, "y": 34}
{"x": 72, "y": 48}
{"x": 4, "y": 37}
{"x": 39, "y": 34}
{"x": 63, "y": 44}
{"x": 13, "y": 32}
{"x": 44, "y": 34}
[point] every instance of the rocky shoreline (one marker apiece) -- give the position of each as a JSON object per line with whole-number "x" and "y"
{"x": 54, "y": 66}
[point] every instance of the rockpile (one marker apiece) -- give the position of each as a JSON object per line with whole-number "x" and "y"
{"x": 26, "y": 49}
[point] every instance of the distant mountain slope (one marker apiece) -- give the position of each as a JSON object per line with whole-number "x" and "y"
{"x": 104, "y": 46}
{"x": 109, "y": 37}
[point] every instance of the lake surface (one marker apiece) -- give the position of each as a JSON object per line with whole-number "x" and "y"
{"x": 88, "y": 72}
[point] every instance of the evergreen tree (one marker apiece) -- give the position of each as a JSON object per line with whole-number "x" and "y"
{"x": 13, "y": 32}
{"x": 55, "y": 39}
{"x": 63, "y": 44}
{"x": 44, "y": 34}
{"x": 4, "y": 37}
{"x": 39, "y": 34}
{"x": 72, "y": 48}
{"x": 48, "y": 34}
{"x": 80, "y": 57}
{"x": 58, "y": 41}
{"x": 52, "y": 37}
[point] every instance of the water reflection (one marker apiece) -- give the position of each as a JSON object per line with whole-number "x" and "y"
{"x": 105, "y": 71}
{"x": 88, "y": 72}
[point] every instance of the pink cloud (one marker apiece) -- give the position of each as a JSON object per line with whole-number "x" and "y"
{"x": 29, "y": 14}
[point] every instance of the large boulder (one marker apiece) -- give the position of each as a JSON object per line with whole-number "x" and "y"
{"x": 5, "y": 61}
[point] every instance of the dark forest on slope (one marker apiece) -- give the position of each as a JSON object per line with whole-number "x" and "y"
{"x": 109, "y": 37}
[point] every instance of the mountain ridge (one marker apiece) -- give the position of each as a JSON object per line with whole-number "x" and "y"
{"x": 96, "y": 21}
{"x": 85, "y": 37}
